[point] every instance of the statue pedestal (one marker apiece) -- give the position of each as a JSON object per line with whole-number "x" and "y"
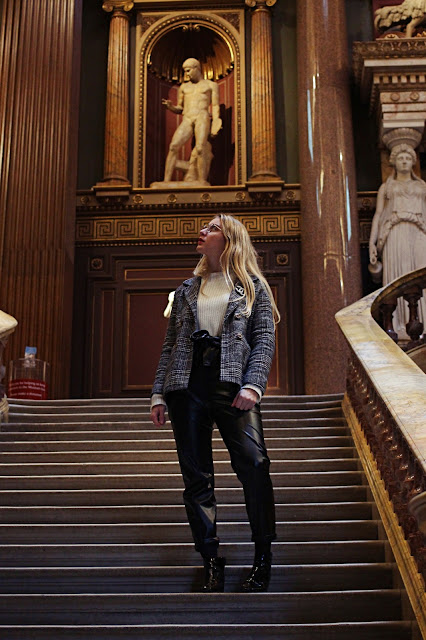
{"x": 179, "y": 184}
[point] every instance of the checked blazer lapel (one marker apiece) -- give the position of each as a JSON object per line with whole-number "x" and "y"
{"x": 191, "y": 289}
{"x": 236, "y": 295}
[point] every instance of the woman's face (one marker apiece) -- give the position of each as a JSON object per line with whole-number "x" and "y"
{"x": 211, "y": 241}
{"x": 403, "y": 162}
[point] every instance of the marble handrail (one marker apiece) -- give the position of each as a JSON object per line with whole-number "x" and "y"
{"x": 386, "y": 406}
{"x": 410, "y": 287}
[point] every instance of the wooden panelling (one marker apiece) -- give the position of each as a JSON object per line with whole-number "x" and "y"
{"x": 144, "y": 330}
{"x": 119, "y": 322}
{"x": 106, "y": 341}
{"x": 39, "y": 67}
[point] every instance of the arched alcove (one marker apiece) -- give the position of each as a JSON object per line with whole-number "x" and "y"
{"x": 162, "y": 50}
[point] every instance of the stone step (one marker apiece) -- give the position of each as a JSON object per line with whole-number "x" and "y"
{"x": 161, "y": 434}
{"x": 171, "y": 554}
{"x": 278, "y": 442}
{"x": 137, "y": 416}
{"x": 114, "y": 475}
{"x": 333, "y": 398}
{"x": 129, "y": 497}
{"x": 157, "y": 480}
{"x": 143, "y": 408}
{"x": 110, "y": 514}
{"x": 383, "y": 630}
{"x": 125, "y": 423}
{"x": 225, "y": 495}
{"x": 278, "y": 453}
{"x": 128, "y": 609}
{"x": 172, "y": 466}
{"x": 188, "y": 579}
{"x": 124, "y": 533}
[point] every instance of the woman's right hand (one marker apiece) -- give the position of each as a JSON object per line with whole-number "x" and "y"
{"x": 158, "y": 416}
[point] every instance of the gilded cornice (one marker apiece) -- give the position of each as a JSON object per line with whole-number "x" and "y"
{"x": 386, "y": 49}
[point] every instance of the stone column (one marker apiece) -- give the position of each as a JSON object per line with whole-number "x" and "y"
{"x": 264, "y": 163}
{"x": 117, "y": 102}
{"x": 40, "y": 45}
{"x": 330, "y": 246}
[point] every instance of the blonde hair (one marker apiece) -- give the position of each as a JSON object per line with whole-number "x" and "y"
{"x": 239, "y": 259}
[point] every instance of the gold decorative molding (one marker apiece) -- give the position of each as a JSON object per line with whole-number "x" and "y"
{"x": 139, "y": 229}
{"x": 222, "y": 197}
{"x": 412, "y": 579}
{"x": 117, "y": 5}
{"x": 283, "y": 259}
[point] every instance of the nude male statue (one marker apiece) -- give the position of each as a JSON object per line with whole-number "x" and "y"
{"x": 195, "y": 96}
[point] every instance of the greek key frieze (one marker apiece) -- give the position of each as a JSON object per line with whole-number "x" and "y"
{"x": 138, "y": 229}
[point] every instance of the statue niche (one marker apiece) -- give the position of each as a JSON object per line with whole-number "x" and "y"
{"x": 190, "y": 129}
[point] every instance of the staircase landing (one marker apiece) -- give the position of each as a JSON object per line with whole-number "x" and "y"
{"x": 94, "y": 541}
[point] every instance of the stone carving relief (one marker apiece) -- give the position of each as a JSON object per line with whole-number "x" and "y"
{"x": 412, "y": 10}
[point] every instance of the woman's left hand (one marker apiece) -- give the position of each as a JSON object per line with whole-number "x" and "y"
{"x": 245, "y": 399}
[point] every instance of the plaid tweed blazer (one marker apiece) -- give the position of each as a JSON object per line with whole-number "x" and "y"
{"x": 247, "y": 343}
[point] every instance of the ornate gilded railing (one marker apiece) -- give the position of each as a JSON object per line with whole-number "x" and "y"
{"x": 7, "y": 327}
{"x": 385, "y": 404}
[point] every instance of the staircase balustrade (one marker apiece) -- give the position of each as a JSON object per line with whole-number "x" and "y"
{"x": 7, "y": 327}
{"x": 384, "y": 305}
{"x": 385, "y": 404}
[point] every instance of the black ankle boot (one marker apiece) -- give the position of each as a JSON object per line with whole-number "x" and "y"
{"x": 260, "y": 575}
{"x": 214, "y": 580}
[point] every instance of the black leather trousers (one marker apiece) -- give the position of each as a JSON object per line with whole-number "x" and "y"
{"x": 193, "y": 412}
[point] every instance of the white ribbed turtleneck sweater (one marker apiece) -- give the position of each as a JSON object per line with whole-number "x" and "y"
{"x": 212, "y": 302}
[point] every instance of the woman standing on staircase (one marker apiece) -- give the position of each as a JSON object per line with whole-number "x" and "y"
{"x": 213, "y": 368}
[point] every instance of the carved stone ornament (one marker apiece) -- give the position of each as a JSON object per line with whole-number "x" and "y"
{"x": 399, "y": 468}
{"x": 408, "y": 10}
{"x": 117, "y": 5}
{"x": 232, "y": 18}
{"x": 97, "y": 264}
{"x": 283, "y": 259}
{"x": 402, "y": 135}
{"x": 260, "y": 3}
{"x": 385, "y": 50}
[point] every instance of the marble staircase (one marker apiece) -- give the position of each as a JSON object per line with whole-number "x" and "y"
{"x": 94, "y": 541}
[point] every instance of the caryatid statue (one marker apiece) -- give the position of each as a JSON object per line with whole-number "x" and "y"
{"x": 195, "y": 95}
{"x": 398, "y": 230}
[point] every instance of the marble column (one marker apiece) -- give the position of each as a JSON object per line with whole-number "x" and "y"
{"x": 264, "y": 163}
{"x": 117, "y": 101}
{"x": 330, "y": 246}
{"x": 40, "y": 44}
